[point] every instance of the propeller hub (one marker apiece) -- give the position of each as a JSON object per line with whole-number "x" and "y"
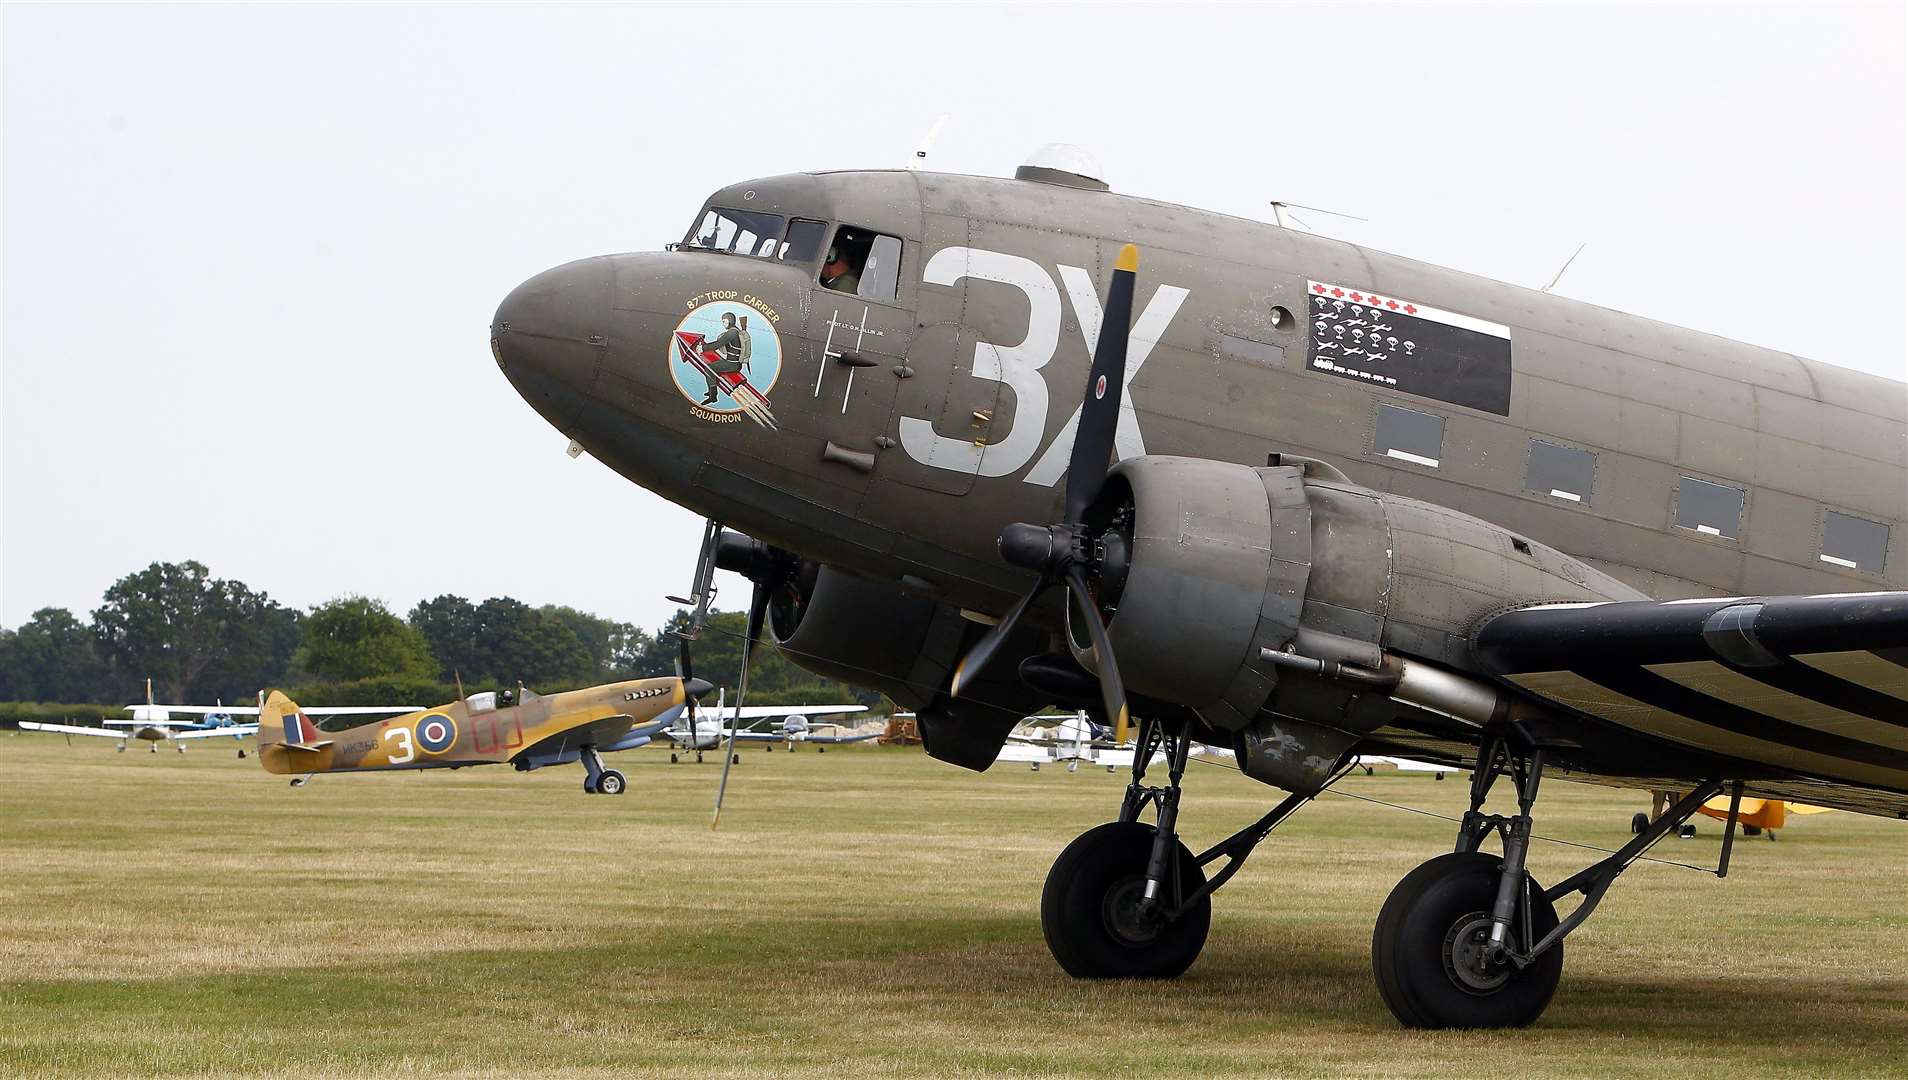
{"x": 1039, "y": 548}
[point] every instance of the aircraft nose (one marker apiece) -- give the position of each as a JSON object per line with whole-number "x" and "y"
{"x": 696, "y": 688}
{"x": 549, "y": 335}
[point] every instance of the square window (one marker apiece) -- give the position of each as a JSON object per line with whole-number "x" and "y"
{"x": 1710, "y": 509}
{"x": 1410, "y": 435}
{"x": 1561, "y": 472}
{"x": 1854, "y": 543}
{"x": 804, "y": 240}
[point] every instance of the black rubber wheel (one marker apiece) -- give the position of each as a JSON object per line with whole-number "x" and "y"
{"x": 1752, "y": 830}
{"x": 1089, "y": 910}
{"x": 1430, "y": 931}
{"x": 1638, "y": 822}
{"x": 611, "y": 783}
{"x": 673, "y": 758}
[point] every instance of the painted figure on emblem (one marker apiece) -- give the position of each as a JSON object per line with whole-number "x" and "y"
{"x": 724, "y": 356}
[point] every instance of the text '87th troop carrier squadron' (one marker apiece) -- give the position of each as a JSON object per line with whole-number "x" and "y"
{"x": 1356, "y": 505}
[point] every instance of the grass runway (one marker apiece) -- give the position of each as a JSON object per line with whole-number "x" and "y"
{"x": 863, "y": 912}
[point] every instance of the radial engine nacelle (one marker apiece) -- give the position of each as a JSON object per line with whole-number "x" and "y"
{"x": 1208, "y": 566}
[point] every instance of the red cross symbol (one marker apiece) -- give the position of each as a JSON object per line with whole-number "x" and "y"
{"x": 1409, "y": 310}
{"x": 1392, "y": 304}
{"x": 1318, "y": 288}
{"x": 1356, "y": 298}
{"x": 1338, "y": 292}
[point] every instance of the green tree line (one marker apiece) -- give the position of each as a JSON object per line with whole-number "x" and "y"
{"x": 201, "y": 638}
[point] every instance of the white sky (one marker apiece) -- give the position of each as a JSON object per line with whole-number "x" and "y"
{"x": 249, "y": 254}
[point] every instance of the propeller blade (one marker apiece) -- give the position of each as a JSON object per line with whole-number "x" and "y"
{"x": 1100, "y": 412}
{"x": 686, "y": 671}
{"x": 758, "y": 608}
{"x": 982, "y": 653}
{"x": 1112, "y": 691}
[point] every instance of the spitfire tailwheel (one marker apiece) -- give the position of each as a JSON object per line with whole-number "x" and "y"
{"x": 1431, "y": 948}
{"x": 1093, "y": 918}
{"x": 610, "y": 783}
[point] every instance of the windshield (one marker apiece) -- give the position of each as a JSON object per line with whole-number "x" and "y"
{"x": 758, "y": 235}
{"x": 741, "y": 232}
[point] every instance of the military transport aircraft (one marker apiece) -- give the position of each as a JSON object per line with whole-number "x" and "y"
{"x": 526, "y": 729}
{"x": 1356, "y": 505}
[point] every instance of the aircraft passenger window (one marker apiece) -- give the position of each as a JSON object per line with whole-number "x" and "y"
{"x": 804, "y": 240}
{"x": 1710, "y": 509}
{"x": 1409, "y": 435}
{"x": 1561, "y": 472}
{"x": 1854, "y": 543}
{"x": 743, "y": 232}
{"x": 863, "y": 263}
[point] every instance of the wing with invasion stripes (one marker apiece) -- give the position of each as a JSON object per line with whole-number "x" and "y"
{"x": 1812, "y": 685}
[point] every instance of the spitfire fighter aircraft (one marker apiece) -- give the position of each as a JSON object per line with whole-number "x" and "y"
{"x": 520, "y": 727}
{"x": 1040, "y": 443}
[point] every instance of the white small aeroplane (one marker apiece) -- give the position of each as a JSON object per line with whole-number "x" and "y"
{"x": 1070, "y": 739}
{"x": 710, "y": 733}
{"x": 153, "y": 723}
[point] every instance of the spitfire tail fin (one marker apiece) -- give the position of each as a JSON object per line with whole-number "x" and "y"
{"x": 285, "y": 734}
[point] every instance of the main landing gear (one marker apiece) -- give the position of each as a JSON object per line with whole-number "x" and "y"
{"x": 1467, "y": 940}
{"x": 1470, "y": 940}
{"x": 596, "y": 779}
{"x": 1127, "y": 900}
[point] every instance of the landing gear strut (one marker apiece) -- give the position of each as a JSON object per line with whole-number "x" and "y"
{"x": 596, "y": 779}
{"x": 1128, "y": 900}
{"x": 1470, "y": 940}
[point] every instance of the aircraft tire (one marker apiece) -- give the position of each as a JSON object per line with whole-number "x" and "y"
{"x": 1638, "y": 822}
{"x": 611, "y": 783}
{"x": 673, "y": 759}
{"x": 1087, "y": 908}
{"x": 1433, "y": 914}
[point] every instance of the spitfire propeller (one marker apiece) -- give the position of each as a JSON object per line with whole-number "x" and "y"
{"x": 1065, "y": 553}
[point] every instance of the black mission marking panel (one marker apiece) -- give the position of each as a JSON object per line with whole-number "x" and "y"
{"x": 1421, "y": 350}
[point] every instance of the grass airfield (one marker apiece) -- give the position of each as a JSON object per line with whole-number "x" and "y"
{"x": 867, "y": 912}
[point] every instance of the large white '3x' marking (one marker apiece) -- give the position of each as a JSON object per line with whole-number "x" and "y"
{"x": 1018, "y": 366}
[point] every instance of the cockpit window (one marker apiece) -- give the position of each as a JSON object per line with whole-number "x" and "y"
{"x": 741, "y": 232}
{"x": 862, "y": 262}
{"x": 804, "y": 241}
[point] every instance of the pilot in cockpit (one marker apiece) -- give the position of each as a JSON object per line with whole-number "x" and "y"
{"x": 838, "y": 273}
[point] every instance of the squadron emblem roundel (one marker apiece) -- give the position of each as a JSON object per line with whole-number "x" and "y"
{"x": 436, "y": 733}
{"x": 725, "y": 356}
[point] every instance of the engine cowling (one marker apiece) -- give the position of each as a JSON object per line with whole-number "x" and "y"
{"x": 873, "y": 634}
{"x": 1207, "y": 563}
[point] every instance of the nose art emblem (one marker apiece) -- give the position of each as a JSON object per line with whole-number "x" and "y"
{"x": 1099, "y": 388}
{"x": 725, "y": 356}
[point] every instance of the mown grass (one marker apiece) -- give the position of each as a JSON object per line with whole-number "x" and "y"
{"x": 864, "y": 912}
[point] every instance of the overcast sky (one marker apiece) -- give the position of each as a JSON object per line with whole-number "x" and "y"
{"x": 251, "y": 253}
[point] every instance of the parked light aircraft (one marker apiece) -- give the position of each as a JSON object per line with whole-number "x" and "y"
{"x": 520, "y": 727}
{"x": 1756, "y": 816}
{"x": 709, "y": 734}
{"x": 1357, "y": 505}
{"x": 153, "y": 723}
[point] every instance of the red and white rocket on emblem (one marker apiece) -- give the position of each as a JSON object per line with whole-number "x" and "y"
{"x": 735, "y": 384}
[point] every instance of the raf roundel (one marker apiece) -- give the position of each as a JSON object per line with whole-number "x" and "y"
{"x": 436, "y": 733}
